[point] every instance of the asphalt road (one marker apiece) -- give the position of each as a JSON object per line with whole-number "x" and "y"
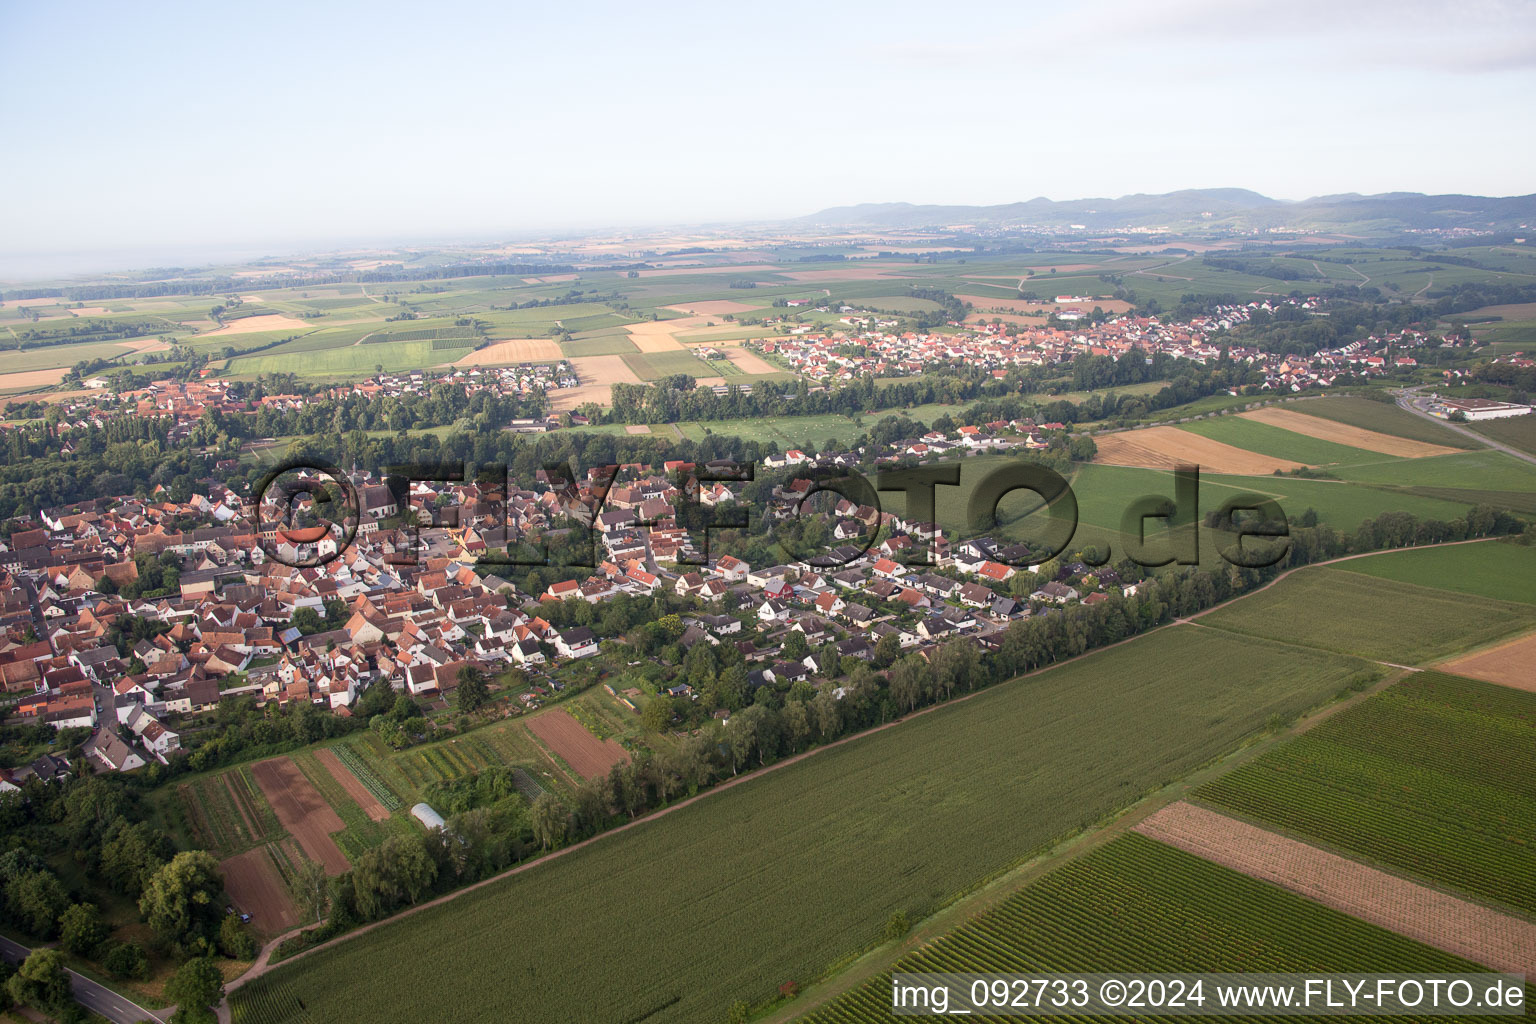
{"x": 1413, "y": 402}
{"x": 89, "y": 994}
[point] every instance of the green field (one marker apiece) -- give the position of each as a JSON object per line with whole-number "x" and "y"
{"x": 728, "y": 898}
{"x": 1137, "y": 905}
{"x": 1516, "y": 432}
{"x": 600, "y": 345}
{"x": 353, "y": 360}
{"x": 1285, "y": 444}
{"x": 1383, "y": 417}
{"x": 51, "y": 357}
{"x": 1502, "y": 571}
{"x": 655, "y": 365}
{"x": 1434, "y": 777}
{"x": 1351, "y": 613}
{"x": 1486, "y": 470}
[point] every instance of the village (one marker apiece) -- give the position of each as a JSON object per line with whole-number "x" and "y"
{"x": 249, "y": 607}
{"x": 868, "y": 345}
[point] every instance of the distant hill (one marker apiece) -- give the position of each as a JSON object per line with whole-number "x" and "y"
{"x": 1206, "y": 210}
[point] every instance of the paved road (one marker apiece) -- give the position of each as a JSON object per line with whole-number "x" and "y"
{"x": 1413, "y": 402}
{"x": 90, "y": 994}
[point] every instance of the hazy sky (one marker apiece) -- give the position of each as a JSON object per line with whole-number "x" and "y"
{"x": 150, "y": 129}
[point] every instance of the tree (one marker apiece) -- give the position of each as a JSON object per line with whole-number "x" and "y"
{"x": 36, "y": 900}
{"x": 180, "y": 902}
{"x": 81, "y": 930}
{"x": 310, "y": 888}
{"x": 126, "y": 960}
{"x": 658, "y": 714}
{"x": 195, "y": 988}
{"x": 550, "y": 820}
{"x": 235, "y": 940}
{"x": 887, "y": 650}
{"x": 473, "y": 691}
{"x": 41, "y": 982}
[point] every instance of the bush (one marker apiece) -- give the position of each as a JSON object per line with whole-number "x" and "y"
{"x": 126, "y": 960}
{"x": 236, "y": 941}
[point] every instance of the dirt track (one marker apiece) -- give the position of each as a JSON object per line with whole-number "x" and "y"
{"x": 352, "y": 784}
{"x": 1166, "y": 447}
{"x": 584, "y": 752}
{"x": 302, "y": 810}
{"x": 1431, "y": 917}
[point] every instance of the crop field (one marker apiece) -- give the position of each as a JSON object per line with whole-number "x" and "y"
{"x": 655, "y": 365}
{"x": 1486, "y": 470}
{"x": 617, "y": 344}
{"x": 1167, "y": 447}
{"x": 1382, "y": 417}
{"x": 1006, "y": 774}
{"x": 1344, "y": 433}
{"x": 227, "y": 812}
{"x": 1255, "y": 436}
{"x": 1351, "y": 613}
{"x": 1449, "y": 922}
{"x": 1508, "y": 664}
{"x": 574, "y": 742}
{"x": 449, "y": 759}
{"x": 303, "y": 811}
{"x": 355, "y": 360}
{"x": 1502, "y": 571}
{"x": 1139, "y": 905}
{"x": 360, "y": 831}
{"x": 1434, "y": 777}
{"x": 1517, "y": 431}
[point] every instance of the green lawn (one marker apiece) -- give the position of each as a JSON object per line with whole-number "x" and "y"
{"x": 1352, "y": 613}
{"x": 1503, "y": 571}
{"x": 1435, "y": 777}
{"x": 729, "y": 897}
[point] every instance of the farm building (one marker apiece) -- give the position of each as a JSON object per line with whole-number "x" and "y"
{"x": 427, "y": 816}
{"x": 1479, "y": 408}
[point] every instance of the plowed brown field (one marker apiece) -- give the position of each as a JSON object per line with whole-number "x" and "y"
{"x": 1166, "y": 447}
{"x": 1512, "y": 664}
{"x": 302, "y": 810}
{"x": 584, "y": 752}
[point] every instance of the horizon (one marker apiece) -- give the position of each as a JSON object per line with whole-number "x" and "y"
{"x": 82, "y": 264}
{"x": 225, "y": 133}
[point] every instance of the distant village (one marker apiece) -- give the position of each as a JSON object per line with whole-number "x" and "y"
{"x": 871, "y": 346}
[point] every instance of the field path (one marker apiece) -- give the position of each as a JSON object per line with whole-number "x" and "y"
{"x": 1426, "y": 915}
{"x": 263, "y": 963}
